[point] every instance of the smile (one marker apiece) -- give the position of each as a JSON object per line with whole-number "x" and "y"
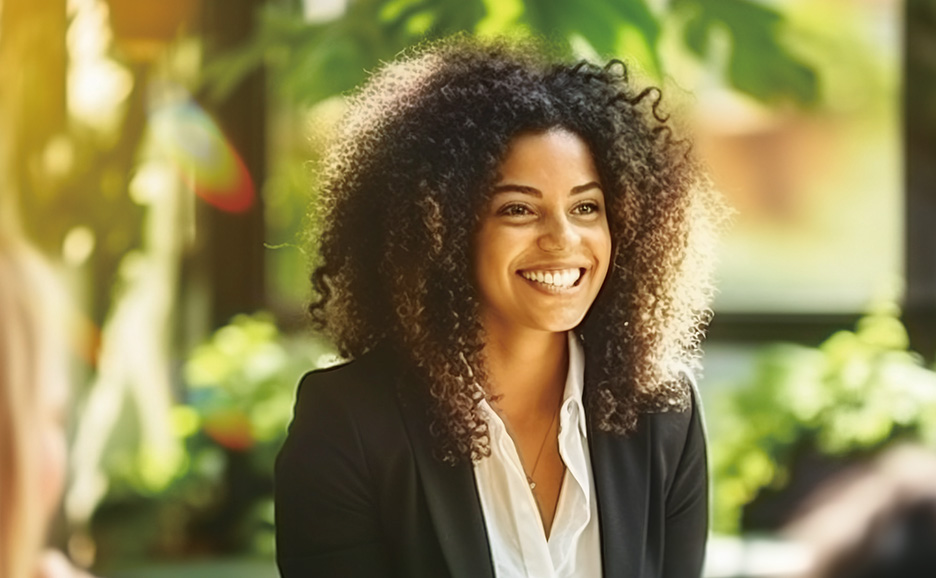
{"x": 562, "y": 279}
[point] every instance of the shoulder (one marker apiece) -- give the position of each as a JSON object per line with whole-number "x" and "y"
{"x": 677, "y": 429}
{"x": 680, "y": 417}
{"x": 330, "y": 467}
{"x": 348, "y": 410}
{"x": 364, "y": 384}
{"x": 358, "y": 373}
{"x": 679, "y": 436}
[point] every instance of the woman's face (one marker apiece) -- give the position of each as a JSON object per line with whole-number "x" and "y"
{"x": 543, "y": 246}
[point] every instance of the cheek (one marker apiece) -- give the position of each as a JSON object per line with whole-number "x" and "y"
{"x": 487, "y": 281}
{"x": 491, "y": 260}
{"x": 601, "y": 246}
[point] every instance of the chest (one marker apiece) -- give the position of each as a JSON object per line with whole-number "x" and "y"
{"x": 527, "y": 536}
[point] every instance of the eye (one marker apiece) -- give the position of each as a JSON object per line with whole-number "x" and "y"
{"x": 514, "y": 210}
{"x": 587, "y": 208}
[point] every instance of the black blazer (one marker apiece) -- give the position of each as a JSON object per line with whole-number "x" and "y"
{"x": 359, "y": 493}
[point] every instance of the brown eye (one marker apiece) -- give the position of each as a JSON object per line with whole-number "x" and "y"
{"x": 514, "y": 210}
{"x": 587, "y": 208}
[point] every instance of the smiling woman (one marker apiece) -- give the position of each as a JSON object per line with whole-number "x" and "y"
{"x": 514, "y": 252}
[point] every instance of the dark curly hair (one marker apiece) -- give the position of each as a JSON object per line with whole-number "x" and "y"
{"x": 403, "y": 186}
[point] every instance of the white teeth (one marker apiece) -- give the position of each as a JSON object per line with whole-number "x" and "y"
{"x": 562, "y": 279}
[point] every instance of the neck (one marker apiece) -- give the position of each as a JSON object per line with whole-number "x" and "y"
{"x": 526, "y": 370}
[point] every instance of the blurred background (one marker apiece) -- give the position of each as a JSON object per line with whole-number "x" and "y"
{"x": 162, "y": 155}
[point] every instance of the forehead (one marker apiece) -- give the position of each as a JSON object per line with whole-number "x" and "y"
{"x": 555, "y": 156}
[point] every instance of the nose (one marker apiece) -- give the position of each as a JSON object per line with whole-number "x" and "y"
{"x": 558, "y": 234}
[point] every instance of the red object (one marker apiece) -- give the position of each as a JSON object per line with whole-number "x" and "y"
{"x": 230, "y": 429}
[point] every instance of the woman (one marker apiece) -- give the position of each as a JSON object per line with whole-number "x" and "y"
{"x": 33, "y": 398}
{"x": 514, "y": 251}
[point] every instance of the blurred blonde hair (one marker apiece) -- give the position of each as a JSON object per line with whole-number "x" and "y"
{"x": 26, "y": 295}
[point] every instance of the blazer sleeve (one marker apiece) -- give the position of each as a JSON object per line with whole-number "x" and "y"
{"x": 686, "y": 525}
{"x": 325, "y": 506}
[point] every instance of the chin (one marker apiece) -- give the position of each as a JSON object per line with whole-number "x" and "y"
{"x": 560, "y": 325}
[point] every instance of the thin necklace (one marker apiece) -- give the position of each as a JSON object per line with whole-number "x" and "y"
{"x": 542, "y": 445}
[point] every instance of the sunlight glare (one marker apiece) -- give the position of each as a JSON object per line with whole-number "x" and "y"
{"x": 204, "y": 158}
{"x": 78, "y": 246}
{"x": 97, "y": 85}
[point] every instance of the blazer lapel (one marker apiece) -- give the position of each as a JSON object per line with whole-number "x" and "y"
{"x": 620, "y": 469}
{"x": 451, "y": 495}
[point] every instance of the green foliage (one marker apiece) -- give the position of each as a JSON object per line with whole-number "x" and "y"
{"x": 758, "y": 64}
{"x": 625, "y": 28}
{"x": 235, "y": 383}
{"x": 311, "y": 62}
{"x": 853, "y": 394}
{"x": 240, "y": 389}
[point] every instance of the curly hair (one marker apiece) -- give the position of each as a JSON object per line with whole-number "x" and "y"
{"x": 403, "y": 186}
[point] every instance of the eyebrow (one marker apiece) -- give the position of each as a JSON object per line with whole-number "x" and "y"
{"x": 512, "y": 188}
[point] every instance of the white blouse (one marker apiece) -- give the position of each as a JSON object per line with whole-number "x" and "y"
{"x": 519, "y": 547}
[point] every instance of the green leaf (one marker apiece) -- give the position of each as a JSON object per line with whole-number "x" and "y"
{"x": 500, "y": 17}
{"x": 759, "y": 64}
{"x": 762, "y": 69}
{"x": 639, "y": 34}
{"x": 621, "y": 29}
{"x": 462, "y": 16}
{"x": 696, "y": 33}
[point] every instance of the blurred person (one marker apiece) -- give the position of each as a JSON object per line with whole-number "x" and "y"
{"x": 875, "y": 520}
{"x": 514, "y": 254}
{"x": 899, "y": 542}
{"x": 33, "y": 397}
